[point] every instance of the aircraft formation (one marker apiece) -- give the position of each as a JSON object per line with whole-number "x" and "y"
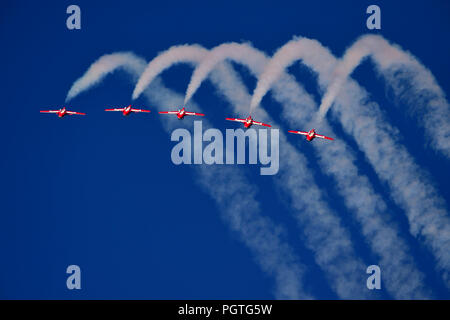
{"x": 181, "y": 113}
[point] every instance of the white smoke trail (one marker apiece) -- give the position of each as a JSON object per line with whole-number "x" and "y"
{"x": 166, "y": 59}
{"x": 409, "y": 79}
{"x": 342, "y": 71}
{"x": 201, "y": 73}
{"x": 260, "y": 234}
{"x": 403, "y": 278}
{"x": 272, "y": 72}
{"x": 101, "y": 68}
{"x": 410, "y": 187}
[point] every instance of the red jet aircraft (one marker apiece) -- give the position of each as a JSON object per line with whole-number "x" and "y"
{"x": 181, "y": 113}
{"x": 62, "y": 112}
{"x": 248, "y": 122}
{"x": 127, "y": 110}
{"x": 311, "y": 134}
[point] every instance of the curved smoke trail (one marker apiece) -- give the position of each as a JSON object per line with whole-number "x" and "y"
{"x": 259, "y": 233}
{"x": 101, "y": 68}
{"x": 409, "y": 79}
{"x": 322, "y": 227}
{"x": 403, "y": 279}
{"x": 272, "y": 72}
{"x": 411, "y": 189}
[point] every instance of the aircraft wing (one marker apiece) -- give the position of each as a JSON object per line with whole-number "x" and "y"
{"x": 323, "y": 137}
{"x": 115, "y": 109}
{"x": 299, "y": 132}
{"x": 194, "y": 114}
{"x": 235, "y": 119}
{"x": 139, "y": 110}
{"x": 261, "y": 124}
{"x": 168, "y": 112}
{"x": 73, "y": 112}
{"x": 49, "y": 111}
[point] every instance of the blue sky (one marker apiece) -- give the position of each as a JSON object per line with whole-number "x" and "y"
{"x": 101, "y": 191}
